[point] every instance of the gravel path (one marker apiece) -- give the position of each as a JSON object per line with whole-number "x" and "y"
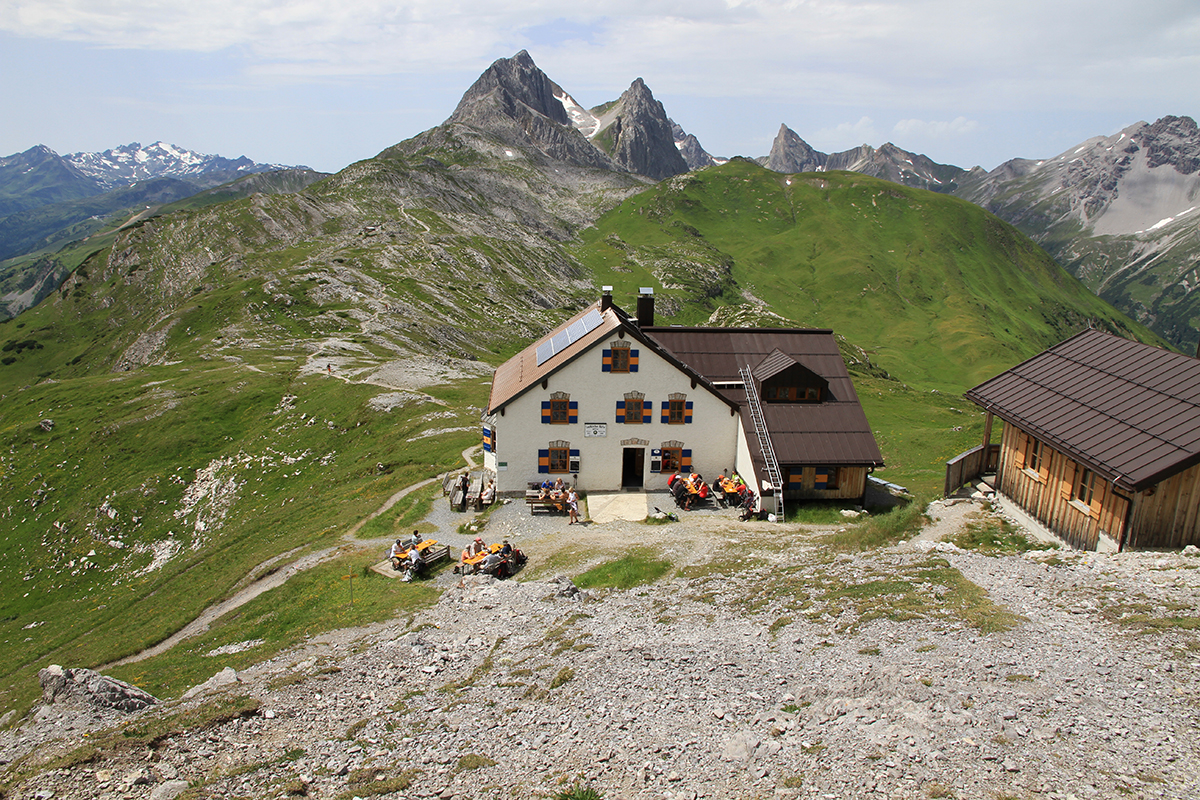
{"x": 763, "y": 665}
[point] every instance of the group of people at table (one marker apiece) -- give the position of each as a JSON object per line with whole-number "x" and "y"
{"x": 561, "y": 496}
{"x": 689, "y": 488}
{"x": 479, "y": 556}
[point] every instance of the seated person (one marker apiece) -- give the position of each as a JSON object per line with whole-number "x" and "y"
{"x": 559, "y": 487}
{"x": 489, "y": 493}
{"x": 490, "y": 564}
{"x": 396, "y": 554}
{"x": 473, "y": 549}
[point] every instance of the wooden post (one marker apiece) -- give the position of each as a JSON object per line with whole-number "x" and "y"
{"x": 987, "y": 433}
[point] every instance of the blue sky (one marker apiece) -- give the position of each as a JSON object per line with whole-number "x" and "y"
{"x": 967, "y": 82}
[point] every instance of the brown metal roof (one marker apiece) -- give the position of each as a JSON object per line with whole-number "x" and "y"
{"x": 834, "y": 432}
{"x": 1129, "y": 411}
{"x": 772, "y": 365}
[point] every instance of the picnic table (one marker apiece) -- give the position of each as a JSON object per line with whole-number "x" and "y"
{"x": 534, "y": 499}
{"x": 431, "y": 553}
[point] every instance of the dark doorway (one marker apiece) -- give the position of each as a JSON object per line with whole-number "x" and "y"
{"x": 633, "y": 468}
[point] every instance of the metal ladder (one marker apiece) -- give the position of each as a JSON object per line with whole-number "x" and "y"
{"x": 774, "y": 474}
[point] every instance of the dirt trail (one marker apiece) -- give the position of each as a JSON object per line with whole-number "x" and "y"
{"x": 275, "y": 576}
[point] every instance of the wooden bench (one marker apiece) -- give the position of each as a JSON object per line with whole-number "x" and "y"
{"x": 435, "y": 555}
{"x": 551, "y": 504}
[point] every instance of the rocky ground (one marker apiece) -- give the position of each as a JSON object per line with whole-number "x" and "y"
{"x": 763, "y": 665}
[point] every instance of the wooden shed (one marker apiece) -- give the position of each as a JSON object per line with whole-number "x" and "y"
{"x": 1101, "y": 441}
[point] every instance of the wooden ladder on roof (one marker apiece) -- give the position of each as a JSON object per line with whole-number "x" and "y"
{"x": 774, "y": 474}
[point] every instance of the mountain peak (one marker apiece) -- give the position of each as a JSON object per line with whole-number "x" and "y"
{"x": 519, "y": 82}
{"x": 790, "y": 153}
{"x": 636, "y": 133}
{"x": 1174, "y": 141}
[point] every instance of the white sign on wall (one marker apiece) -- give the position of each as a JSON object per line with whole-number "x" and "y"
{"x": 591, "y": 429}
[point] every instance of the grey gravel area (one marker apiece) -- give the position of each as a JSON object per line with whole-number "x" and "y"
{"x": 764, "y": 665}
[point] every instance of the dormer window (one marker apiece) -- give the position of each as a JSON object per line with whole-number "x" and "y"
{"x": 792, "y": 394}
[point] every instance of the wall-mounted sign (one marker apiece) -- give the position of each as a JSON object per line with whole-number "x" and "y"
{"x": 591, "y": 429}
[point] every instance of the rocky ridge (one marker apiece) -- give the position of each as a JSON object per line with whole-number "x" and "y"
{"x": 765, "y": 666}
{"x": 1119, "y": 212}
{"x": 122, "y": 166}
{"x": 789, "y": 153}
{"x": 636, "y": 133}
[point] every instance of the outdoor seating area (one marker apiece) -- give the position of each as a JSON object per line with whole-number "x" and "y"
{"x": 551, "y": 497}
{"x": 465, "y": 490}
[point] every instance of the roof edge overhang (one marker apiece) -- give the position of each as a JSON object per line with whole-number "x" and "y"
{"x": 629, "y": 326}
{"x": 1118, "y": 480}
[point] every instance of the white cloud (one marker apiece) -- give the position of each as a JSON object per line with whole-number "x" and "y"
{"x": 958, "y": 126}
{"x": 847, "y": 134}
{"x": 917, "y": 54}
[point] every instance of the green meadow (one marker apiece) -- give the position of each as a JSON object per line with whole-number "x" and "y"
{"x": 133, "y": 496}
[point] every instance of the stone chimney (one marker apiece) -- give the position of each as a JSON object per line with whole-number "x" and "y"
{"x": 605, "y": 298}
{"x": 645, "y": 307}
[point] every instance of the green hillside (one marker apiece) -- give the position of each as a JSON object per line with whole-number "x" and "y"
{"x": 938, "y": 293}
{"x": 197, "y": 432}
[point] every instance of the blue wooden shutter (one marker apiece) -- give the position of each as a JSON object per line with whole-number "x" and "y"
{"x": 544, "y": 460}
{"x": 647, "y": 412}
{"x": 685, "y": 460}
{"x": 633, "y": 360}
{"x": 546, "y": 412}
{"x": 606, "y": 361}
{"x": 573, "y": 412}
{"x": 620, "y": 412}
{"x": 687, "y": 411}
{"x": 666, "y": 412}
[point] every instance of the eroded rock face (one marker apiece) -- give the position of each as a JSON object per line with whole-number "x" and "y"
{"x": 641, "y": 136}
{"x": 64, "y": 685}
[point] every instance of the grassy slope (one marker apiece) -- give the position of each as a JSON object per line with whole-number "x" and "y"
{"x": 249, "y": 289}
{"x": 125, "y": 447}
{"x": 244, "y": 293}
{"x": 939, "y": 293}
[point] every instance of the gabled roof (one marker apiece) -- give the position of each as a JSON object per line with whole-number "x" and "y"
{"x": 834, "y": 432}
{"x": 1128, "y": 411}
{"x": 530, "y": 367}
{"x": 772, "y": 365}
{"x": 522, "y": 371}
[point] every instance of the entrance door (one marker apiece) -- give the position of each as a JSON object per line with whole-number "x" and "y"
{"x": 633, "y": 468}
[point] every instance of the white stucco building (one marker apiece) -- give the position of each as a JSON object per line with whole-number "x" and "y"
{"x": 607, "y": 401}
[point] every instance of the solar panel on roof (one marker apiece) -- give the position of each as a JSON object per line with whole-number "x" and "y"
{"x": 574, "y": 332}
{"x": 591, "y": 321}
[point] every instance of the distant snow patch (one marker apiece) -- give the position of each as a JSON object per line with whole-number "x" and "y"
{"x": 1167, "y": 221}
